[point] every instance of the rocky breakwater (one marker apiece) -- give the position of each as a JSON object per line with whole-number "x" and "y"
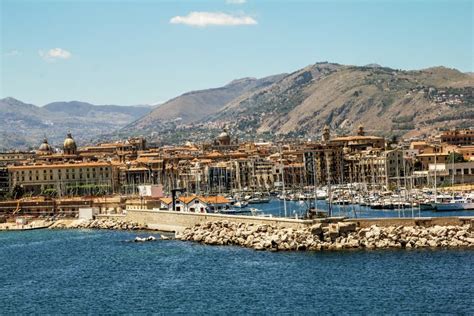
{"x": 343, "y": 235}
{"x": 97, "y": 224}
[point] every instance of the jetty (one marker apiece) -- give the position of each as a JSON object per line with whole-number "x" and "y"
{"x": 33, "y": 225}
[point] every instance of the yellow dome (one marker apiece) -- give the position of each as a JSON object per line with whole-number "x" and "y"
{"x": 69, "y": 142}
{"x": 44, "y": 147}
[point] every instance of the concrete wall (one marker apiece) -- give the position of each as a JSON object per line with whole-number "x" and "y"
{"x": 177, "y": 221}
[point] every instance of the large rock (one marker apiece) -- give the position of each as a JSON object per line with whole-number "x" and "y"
{"x": 317, "y": 229}
{"x": 347, "y": 227}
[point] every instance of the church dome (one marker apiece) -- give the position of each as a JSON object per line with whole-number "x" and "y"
{"x": 69, "y": 145}
{"x": 224, "y": 136}
{"x": 44, "y": 147}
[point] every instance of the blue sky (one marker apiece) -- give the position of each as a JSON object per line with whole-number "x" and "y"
{"x": 142, "y": 52}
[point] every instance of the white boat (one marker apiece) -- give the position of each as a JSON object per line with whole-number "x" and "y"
{"x": 241, "y": 204}
{"x": 233, "y": 211}
{"x": 257, "y": 212}
{"x": 321, "y": 194}
{"x": 455, "y": 204}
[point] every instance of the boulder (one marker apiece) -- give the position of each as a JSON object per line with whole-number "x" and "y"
{"x": 347, "y": 227}
{"x": 317, "y": 229}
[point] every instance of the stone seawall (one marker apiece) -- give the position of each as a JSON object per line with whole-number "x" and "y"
{"x": 329, "y": 236}
{"x": 100, "y": 223}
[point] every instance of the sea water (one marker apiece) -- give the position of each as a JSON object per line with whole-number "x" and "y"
{"x": 97, "y": 272}
{"x": 297, "y": 208}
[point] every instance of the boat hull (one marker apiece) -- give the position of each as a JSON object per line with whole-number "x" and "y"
{"x": 445, "y": 207}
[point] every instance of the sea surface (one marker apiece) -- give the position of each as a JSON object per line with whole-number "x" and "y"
{"x": 296, "y": 208}
{"x": 102, "y": 272}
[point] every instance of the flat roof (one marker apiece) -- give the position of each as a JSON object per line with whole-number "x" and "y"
{"x": 64, "y": 165}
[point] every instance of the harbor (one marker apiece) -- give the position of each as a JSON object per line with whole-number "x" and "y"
{"x": 86, "y": 270}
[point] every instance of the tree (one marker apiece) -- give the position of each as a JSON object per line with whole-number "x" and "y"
{"x": 18, "y": 192}
{"x": 457, "y": 157}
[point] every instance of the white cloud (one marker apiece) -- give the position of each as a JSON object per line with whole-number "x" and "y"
{"x": 54, "y": 54}
{"x": 235, "y": 1}
{"x": 13, "y": 53}
{"x": 213, "y": 18}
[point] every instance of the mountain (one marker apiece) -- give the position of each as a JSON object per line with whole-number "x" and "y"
{"x": 196, "y": 105}
{"x": 387, "y": 101}
{"x": 24, "y": 125}
{"x": 77, "y": 108}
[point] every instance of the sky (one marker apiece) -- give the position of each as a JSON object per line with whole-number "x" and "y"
{"x": 146, "y": 52}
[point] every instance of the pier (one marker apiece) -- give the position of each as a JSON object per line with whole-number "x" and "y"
{"x": 170, "y": 221}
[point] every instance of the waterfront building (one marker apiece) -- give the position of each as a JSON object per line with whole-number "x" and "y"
{"x": 4, "y": 182}
{"x": 195, "y": 204}
{"x": 466, "y": 151}
{"x": 367, "y": 167}
{"x": 64, "y": 178}
{"x": 358, "y": 142}
{"x": 15, "y": 157}
{"x": 37, "y": 206}
{"x": 460, "y": 137}
{"x": 431, "y": 158}
{"x": 449, "y": 173}
{"x": 222, "y": 167}
{"x": 328, "y": 164}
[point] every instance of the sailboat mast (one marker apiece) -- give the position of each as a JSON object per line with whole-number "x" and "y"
{"x": 283, "y": 180}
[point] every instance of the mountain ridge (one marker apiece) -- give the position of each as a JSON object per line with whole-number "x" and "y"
{"x": 387, "y": 101}
{"x": 195, "y": 105}
{"x": 23, "y": 125}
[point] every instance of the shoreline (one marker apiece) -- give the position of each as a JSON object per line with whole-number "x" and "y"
{"x": 316, "y": 237}
{"x": 334, "y": 236}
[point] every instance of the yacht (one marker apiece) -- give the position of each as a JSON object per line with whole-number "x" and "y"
{"x": 454, "y": 204}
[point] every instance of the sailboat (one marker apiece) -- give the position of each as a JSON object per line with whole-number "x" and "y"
{"x": 452, "y": 203}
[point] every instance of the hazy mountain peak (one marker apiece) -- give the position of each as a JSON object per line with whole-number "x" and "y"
{"x": 241, "y": 80}
{"x": 373, "y": 65}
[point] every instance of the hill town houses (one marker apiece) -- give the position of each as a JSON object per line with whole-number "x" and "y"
{"x": 118, "y": 170}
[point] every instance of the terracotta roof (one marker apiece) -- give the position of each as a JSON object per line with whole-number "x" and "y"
{"x": 188, "y": 199}
{"x": 214, "y": 154}
{"x": 167, "y": 200}
{"x": 205, "y": 199}
{"x": 215, "y": 199}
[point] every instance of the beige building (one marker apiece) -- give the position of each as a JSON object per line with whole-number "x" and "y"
{"x": 63, "y": 177}
{"x": 458, "y": 137}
